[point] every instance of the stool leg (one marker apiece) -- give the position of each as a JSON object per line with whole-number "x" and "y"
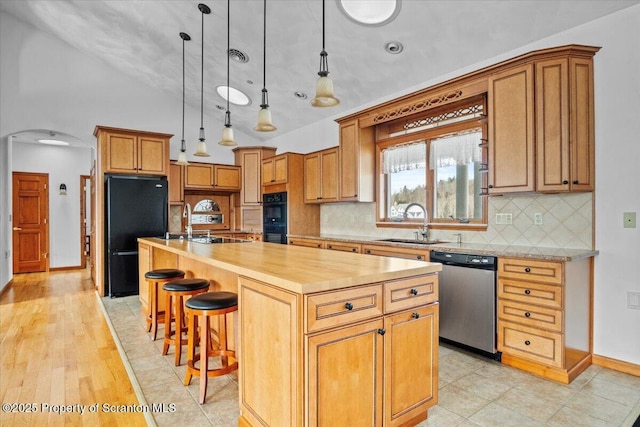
{"x": 154, "y": 310}
{"x": 167, "y": 323}
{"x": 179, "y": 326}
{"x": 191, "y": 346}
{"x": 222, "y": 333}
{"x": 204, "y": 357}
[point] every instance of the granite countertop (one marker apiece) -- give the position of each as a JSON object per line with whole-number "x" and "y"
{"x": 541, "y": 253}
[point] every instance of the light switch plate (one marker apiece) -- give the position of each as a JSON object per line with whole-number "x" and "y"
{"x": 537, "y": 218}
{"x": 629, "y": 219}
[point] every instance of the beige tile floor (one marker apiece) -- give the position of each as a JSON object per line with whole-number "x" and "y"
{"x": 473, "y": 391}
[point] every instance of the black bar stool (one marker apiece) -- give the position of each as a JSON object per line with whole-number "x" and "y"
{"x": 155, "y": 278}
{"x": 200, "y": 309}
{"x": 175, "y": 292}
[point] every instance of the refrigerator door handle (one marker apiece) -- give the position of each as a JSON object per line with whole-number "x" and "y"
{"x": 126, "y": 253}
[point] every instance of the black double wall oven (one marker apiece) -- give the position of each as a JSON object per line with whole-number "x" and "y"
{"x": 274, "y": 218}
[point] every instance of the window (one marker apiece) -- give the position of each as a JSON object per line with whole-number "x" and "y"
{"x": 433, "y": 169}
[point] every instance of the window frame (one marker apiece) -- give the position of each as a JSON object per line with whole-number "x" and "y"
{"x": 384, "y": 141}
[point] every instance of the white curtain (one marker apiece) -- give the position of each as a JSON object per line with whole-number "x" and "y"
{"x": 404, "y": 157}
{"x": 455, "y": 150}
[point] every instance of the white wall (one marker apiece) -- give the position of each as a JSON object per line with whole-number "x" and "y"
{"x": 64, "y": 165}
{"x": 617, "y": 87}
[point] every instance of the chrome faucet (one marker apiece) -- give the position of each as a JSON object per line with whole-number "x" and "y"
{"x": 186, "y": 213}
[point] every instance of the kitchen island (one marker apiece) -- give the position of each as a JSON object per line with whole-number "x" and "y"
{"x": 323, "y": 337}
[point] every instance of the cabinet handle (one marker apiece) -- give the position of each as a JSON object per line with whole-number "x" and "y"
{"x": 527, "y": 291}
{"x": 368, "y": 251}
{"x": 381, "y": 331}
{"x": 576, "y": 182}
{"x": 527, "y": 270}
{"x": 414, "y": 291}
{"x": 419, "y": 257}
{"x": 319, "y": 245}
{"x": 565, "y": 182}
{"x": 527, "y": 314}
{"x": 415, "y": 315}
{"x": 353, "y": 249}
{"x": 328, "y": 247}
{"x": 348, "y": 306}
{"x": 319, "y": 198}
{"x": 490, "y": 186}
{"x": 527, "y": 342}
{"x": 273, "y": 180}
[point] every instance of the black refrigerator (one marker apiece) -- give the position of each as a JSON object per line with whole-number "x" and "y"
{"x": 134, "y": 207}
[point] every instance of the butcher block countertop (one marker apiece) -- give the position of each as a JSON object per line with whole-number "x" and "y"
{"x": 297, "y": 269}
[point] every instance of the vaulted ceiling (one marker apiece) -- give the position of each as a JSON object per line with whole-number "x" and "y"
{"x": 141, "y": 39}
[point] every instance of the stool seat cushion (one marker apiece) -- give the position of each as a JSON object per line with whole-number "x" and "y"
{"x": 164, "y": 273}
{"x": 186, "y": 285}
{"x": 212, "y": 301}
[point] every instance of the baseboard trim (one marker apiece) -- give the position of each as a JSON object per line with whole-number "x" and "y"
{"x": 7, "y": 286}
{"x": 616, "y": 365}
{"x": 71, "y": 267}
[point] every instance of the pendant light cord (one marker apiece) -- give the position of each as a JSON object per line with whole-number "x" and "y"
{"x": 264, "y": 47}
{"x": 322, "y": 25}
{"x": 182, "y": 146}
{"x": 228, "y": 49}
{"x": 202, "y": 76}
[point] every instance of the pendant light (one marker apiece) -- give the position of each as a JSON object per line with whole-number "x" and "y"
{"x": 264, "y": 115}
{"x": 201, "y": 147}
{"x": 227, "y": 132}
{"x": 324, "y": 85}
{"x": 182, "y": 157}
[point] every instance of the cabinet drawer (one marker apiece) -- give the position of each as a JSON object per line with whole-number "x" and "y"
{"x": 537, "y": 271}
{"x": 309, "y": 243}
{"x": 410, "y": 292}
{"x": 530, "y": 293}
{"x": 530, "y": 315}
{"x": 342, "y": 307}
{"x": 420, "y": 255}
{"x": 534, "y": 344}
{"x": 344, "y": 246}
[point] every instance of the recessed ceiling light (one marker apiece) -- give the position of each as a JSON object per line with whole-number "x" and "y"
{"x": 370, "y": 12}
{"x": 300, "y": 95}
{"x": 236, "y": 96}
{"x": 238, "y": 56}
{"x": 52, "y": 142}
{"x": 393, "y": 47}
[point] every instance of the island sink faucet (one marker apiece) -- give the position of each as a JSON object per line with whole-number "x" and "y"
{"x": 187, "y": 214}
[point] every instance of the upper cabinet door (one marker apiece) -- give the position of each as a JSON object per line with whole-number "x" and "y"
{"x": 357, "y": 163}
{"x": 582, "y": 124}
{"x": 226, "y": 177}
{"x": 153, "y": 155}
{"x": 511, "y": 131}
{"x": 198, "y": 176}
{"x": 329, "y": 181}
{"x": 121, "y": 153}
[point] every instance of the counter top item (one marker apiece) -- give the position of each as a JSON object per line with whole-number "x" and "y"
{"x": 514, "y": 251}
{"x": 297, "y": 269}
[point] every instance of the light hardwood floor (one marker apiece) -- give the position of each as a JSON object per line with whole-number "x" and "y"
{"x": 56, "y": 350}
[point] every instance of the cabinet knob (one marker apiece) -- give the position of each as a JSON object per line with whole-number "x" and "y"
{"x": 348, "y": 306}
{"x": 527, "y": 270}
{"x": 527, "y": 291}
{"x": 273, "y": 180}
{"x": 565, "y": 182}
{"x": 368, "y": 251}
{"x": 319, "y": 245}
{"x": 490, "y": 185}
{"x": 328, "y": 246}
{"x": 319, "y": 198}
{"x": 527, "y": 342}
{"x": 415, "y": 315}
{"x": 353, "y": 250}
{"x": 414, "y": 291}
{"x": 527, "y": 314}
{"x": 419, "y": 257}
{"x": 381, "y": 331}
{"x": 576, "y": 182}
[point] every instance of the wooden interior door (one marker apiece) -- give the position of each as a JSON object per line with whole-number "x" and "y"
{"x": 30, "y": 222}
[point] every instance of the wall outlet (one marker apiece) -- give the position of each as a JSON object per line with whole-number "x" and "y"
{"x": 629, "y": 219}
{"x": 633, "y": 300}
{"x": 537, "y": 218}
{"x": 504, "y": 218}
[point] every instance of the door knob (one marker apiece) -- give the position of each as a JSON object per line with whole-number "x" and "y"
{"x": 17, "y": 228}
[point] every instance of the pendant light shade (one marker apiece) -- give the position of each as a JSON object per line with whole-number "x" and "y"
{"x": 227, "y": 132}
{"x": 201, "y": 147}
{"x": 264, "y": 115}
{"x": 324, "y": 85}
{"x": 182, "y": 157}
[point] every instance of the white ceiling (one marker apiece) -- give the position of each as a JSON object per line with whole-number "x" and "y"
{"x": 141, "y": 39}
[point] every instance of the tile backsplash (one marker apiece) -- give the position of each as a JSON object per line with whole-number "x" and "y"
{"x": 566, "y": 222}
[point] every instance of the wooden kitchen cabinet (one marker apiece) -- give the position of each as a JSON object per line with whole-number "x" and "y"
{"x": 544, "y": 316}
{"x": 343, "y": 246}
{"x": 306, "y": 242}
{"x": 321, "y": 176}
{"x": 564, "y": 125}
{"x": 275, "y": 170}
{"x": 409, "y": 253}
{"x": 511, "y": 131}
{"x": 357, "y": 162}
{"x": 176, "y": 184}
{"x": 250, "y": 201}
{"x": 213, "y": 177}
{"x": 133, "y": 152}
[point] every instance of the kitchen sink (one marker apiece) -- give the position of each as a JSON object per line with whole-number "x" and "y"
{"x": 412, "y": 241}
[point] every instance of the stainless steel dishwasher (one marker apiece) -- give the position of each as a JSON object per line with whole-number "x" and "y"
{"x": 467, "y": 293}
